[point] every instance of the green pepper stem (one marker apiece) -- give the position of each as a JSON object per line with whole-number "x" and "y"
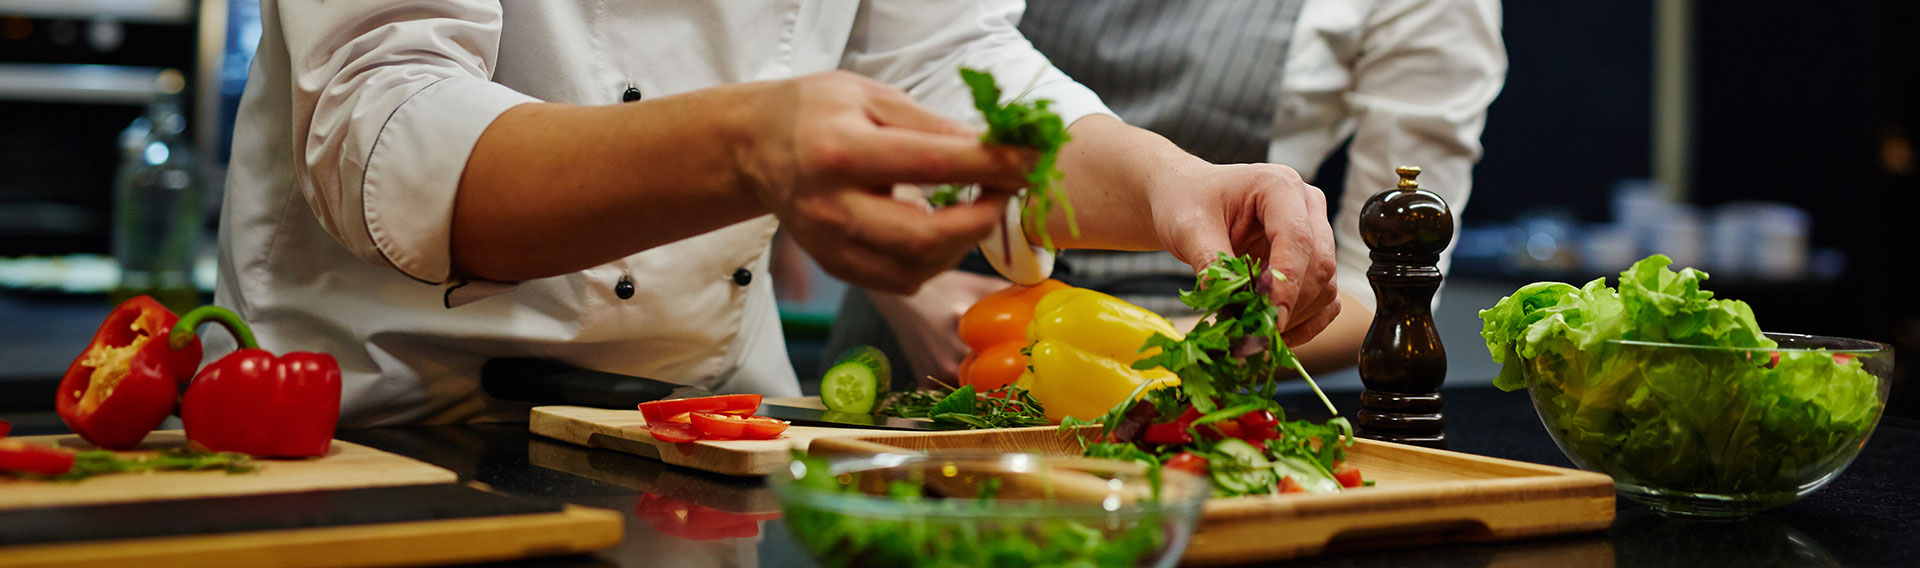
{"x": 183, "y": 331}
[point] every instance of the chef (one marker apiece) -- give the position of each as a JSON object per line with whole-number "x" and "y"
{"x": 417, "y": 187}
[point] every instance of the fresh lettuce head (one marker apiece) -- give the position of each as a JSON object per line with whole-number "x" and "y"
{"x": 1707, "y": 419}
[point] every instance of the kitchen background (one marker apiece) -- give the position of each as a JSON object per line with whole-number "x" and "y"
{"x": 1769, "y": 143}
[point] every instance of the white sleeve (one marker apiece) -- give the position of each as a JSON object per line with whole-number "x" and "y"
{"x": 921, "y": 46}
{"x": 388, "y": 101}
{"x": 1426, "y": 71}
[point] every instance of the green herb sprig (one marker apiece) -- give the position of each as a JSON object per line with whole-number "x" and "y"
{"x": 1236, "y": 348}
{"x": 1026, "y": 124}
{"x": 102, "y": 462}
{"x": 1005, "y": 407}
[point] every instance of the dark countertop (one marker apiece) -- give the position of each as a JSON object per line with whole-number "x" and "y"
{"x": 1869, "y": 516}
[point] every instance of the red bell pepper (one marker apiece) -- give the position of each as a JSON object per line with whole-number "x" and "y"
{"x": 255, "y": 403}
{"x": 127, "y": 380}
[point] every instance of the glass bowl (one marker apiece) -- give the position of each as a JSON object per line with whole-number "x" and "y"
{"x": 1713, "y": 431}
{"x": 988, "y": 509}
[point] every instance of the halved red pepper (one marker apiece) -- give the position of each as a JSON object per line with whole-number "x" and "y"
{"x": 128, "y": 379}
{"x": 30, "y": 458}
{"x": 255, "y": 403}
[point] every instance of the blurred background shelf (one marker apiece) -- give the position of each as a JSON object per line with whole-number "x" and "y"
{"x": 177, "y": 12}
{"x": 79, "y": 84}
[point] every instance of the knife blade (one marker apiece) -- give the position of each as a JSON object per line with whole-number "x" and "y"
{"x": 545, "y": 381}
{"x": 817, "y": 417}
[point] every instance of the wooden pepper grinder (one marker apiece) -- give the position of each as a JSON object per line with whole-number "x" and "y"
{"x": 1401, "y": 361}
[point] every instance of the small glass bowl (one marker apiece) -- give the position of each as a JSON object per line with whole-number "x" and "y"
{"x": 958, "y": 508}
{"x": 1713, "y": 431}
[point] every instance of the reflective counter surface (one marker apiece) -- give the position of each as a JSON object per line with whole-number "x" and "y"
{"x": 1869, "y": 516}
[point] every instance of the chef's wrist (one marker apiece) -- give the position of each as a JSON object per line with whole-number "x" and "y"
{"x": 746, "y": 128}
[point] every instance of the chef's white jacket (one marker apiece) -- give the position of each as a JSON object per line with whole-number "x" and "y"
{"x": 359, "y": 117}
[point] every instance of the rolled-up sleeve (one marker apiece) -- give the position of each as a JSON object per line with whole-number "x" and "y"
{"x": 388, "y": 101}
{"x": 921, "y": 46}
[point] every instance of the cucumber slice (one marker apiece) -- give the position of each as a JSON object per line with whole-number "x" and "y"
{"x": 856, "y": 381}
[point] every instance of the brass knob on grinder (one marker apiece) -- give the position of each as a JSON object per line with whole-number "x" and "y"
{"x": 1402, "y": 363}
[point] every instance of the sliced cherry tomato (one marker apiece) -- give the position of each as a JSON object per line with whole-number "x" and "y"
{"x": 1188, "y": 462}
{"x": 719, "y": 425}
{"x": 763, "y": 428}
{"x": 674, "y": 432}
{"x": 1288, "y": 485}
{"x": 1348, "y": 476}
{"x": 32, "y": 458}
{"x": 674, "y": 408}
{"x": 994, "y": 367}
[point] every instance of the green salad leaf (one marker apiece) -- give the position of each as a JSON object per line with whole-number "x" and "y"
{"x": 1749, "y": 420}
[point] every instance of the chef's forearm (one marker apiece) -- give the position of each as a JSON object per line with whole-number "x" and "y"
{"x": 552, "y": 188}
{"x": 1109, "y": 167}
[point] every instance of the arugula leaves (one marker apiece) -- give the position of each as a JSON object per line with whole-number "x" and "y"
{"x": 1706, "y": 420}
{"x": 1005, "y": 407}
{"x": 1027, "y": 125}
{"x": 1236, "y": 348}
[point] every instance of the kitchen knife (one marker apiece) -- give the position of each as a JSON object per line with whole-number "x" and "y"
{"x": 544, "y": 381}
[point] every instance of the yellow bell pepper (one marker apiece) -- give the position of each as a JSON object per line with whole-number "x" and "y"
{"x": 1084, "y": 344}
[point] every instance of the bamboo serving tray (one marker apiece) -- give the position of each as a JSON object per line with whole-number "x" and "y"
{"x": 1422, "y": 496}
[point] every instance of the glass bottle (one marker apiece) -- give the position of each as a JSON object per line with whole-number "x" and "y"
{"x": 157, "y": 204}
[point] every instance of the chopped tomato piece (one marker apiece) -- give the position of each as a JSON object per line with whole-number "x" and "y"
{"x": 719, "y": 425}
{"x": 674, "y": 408}
{"x": 31, "y": 458}
{"x": 5, "y": 427}
{"x": 763, "y": 428}
{"x": 1258, "y": 419}
{"x": 1288, "y": 485}
{"x": 1168, "y": 433}
{"x": 1188, "y": 462}
{"x": 1348, "y": 476}
{"x": 672, "y": 431}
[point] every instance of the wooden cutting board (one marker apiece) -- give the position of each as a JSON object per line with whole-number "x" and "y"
{"x": 626, "y": 431}
{"x": 348, "y": 465}
{"x": 1422, "y": 496}
{"x": 335, "y": 528}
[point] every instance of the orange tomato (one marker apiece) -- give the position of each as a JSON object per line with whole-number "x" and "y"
{"x": 1002, "y": 316}
{"x": 993, "y": 367}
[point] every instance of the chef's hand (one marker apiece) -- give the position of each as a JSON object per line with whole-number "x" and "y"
{"x": 827, "y": 150}
{"x": 1265, "y": 210}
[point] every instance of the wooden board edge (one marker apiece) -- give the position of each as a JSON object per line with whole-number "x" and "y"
{"x": 1244, "y": 540}
{"x": 576, "y": 529}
